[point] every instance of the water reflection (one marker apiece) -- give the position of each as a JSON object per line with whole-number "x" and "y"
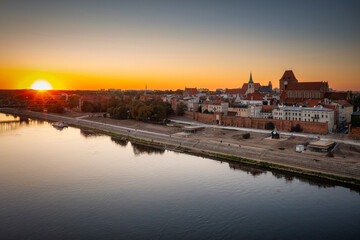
{"x": 288, "y": 177}
{"x": 119, "y": 141}
{"x": 88, "y": 133}
{"x": 140, "y": 149}
{"x": 246, "y": 168}
{"x": 14, "y": 123}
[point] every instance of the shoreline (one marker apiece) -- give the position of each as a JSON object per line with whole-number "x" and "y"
{"x": 198, "y": 148}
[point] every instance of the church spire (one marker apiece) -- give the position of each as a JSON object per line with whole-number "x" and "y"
{"x": 251, "y": 81}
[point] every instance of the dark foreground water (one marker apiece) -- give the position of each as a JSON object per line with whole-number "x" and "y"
{"x": 74, "y": 184}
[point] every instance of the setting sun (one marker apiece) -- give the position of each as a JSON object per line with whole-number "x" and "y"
{"x": 41, "y": 85}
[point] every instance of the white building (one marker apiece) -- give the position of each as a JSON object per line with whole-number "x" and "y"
{"x": 305, "y": 114}
{"x": 252, "y": 111}
{"x": 215, "y": 106}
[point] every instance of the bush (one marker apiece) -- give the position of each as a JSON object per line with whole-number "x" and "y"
{"x": 246, "y": 136}
{"x": 269, "y": 126}
{"x": 55, "y": 108}
{"x": 297, "y": 128}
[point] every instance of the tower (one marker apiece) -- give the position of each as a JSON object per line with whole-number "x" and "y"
{"x": 288, "y": 77}
{"x": 250, "y": 85}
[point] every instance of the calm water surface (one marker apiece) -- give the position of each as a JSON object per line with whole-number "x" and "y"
{"x": 74, "y": 184}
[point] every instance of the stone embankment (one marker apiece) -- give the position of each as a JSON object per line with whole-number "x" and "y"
{"x": 300, "y": 163}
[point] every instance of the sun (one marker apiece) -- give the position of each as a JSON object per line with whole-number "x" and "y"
{"x": 41, "y": 85}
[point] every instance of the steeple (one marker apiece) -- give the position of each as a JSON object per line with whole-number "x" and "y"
{"x": 251, "y": 81}
{"x": 250, "y": 85}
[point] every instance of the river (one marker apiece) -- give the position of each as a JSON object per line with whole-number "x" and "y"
{"x": 76, "y": 184}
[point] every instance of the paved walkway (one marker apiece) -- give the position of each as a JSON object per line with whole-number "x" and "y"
{"x": 350, "y": 142}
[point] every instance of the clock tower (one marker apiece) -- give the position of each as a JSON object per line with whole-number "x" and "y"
{"x": 286, "y": 79}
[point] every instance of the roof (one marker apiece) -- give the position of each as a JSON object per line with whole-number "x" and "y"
{"x": 239, "y": 91}
{"x": 305, "y": 85}
{"x": 267, "y": 108}
{"x": 289, "y": 76}
{"x": 321, "y": 144}
{"x": 337, "y": 95}
{"x": 265, "y": 89}
{"x": 257, "y": 86}
{"x": 212, "y": 102}
{"x": 191, "y": 91}
{"x": 254, "y": 96}
{"x": 306, "y": 108}
{"x": 343, "y": 102}
{"x": 275, "y": 131}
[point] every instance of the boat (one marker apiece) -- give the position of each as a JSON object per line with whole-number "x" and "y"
{"x": 60, "y": 124}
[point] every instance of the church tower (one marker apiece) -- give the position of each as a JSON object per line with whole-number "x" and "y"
{"x": 250, "y": 85}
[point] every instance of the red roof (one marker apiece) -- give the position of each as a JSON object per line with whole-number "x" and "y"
{"x": 239, "y": 91}
{"x": 254, "y": 96}
{"x": 289, "y": 76}
{"x": 267, "y": 108}
{"x": 217, "y": 102}
{"x": 337, "y": 95}
{"x": 191, "y": 91}
{"x": 305, "y": 85}
{"x": 343, "y": 102}
{"x": 257, "y": 86}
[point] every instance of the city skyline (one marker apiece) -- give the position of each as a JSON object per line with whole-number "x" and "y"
{"x": 172, "y": 44}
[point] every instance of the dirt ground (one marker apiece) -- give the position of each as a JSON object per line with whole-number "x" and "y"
{"x": 342, "y": 153}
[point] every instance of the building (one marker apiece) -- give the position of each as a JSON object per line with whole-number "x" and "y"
{"x": 293, "y": 90}
{"x": 266, "y": 89}
{"x": 275, "y": 134}
{"x": 247, "y": 88}
{"x": 306, "y": 114}
{"x": 215, "y": 106}
{"x": 190, "y": 92}
{"x": 345, "y": 111}
{"x": 321, "y": 146}
{"x": 252, "y": 111}
{"x": 266, "y": 111}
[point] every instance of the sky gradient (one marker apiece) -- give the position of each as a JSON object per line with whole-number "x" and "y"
{"x": 173, "y": 44}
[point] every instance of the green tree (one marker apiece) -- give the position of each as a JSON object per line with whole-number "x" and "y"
{"x": 180, "y": 110}
{"x": 87, "y": 107}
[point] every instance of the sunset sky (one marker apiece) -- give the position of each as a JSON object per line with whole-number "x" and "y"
{"x": 172, "y": 44}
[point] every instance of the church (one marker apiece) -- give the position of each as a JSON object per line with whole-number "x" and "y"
{"x": 292, "y": 90}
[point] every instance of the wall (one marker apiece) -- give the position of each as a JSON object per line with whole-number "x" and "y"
{"x": 354, "y": 132}
{"x": 259, "y": 123}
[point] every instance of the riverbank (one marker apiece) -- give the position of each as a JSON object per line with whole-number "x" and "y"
{"x": 346, "y": 170}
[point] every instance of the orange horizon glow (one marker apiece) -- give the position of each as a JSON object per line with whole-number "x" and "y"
{"x": 24, "y": 79}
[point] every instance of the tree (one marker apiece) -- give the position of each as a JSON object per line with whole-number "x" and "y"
{"x": 73, "y": 101}
{"x": 87, "y": 107}
{"x": 297, "y": 128}
{"x": 200, "y": 109}
{"x": 269, "y": 126}
{"x": 119, "y": 112}
{"x": 206, "y": 111}
{"x": 55, "y": 108}
{"x": 246, "y": 135}
{"x": 180, "y": 110}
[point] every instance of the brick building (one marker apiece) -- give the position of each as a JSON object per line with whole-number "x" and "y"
{"x": 292, "y": 90}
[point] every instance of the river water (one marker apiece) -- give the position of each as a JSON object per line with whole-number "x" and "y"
{"x": 75, "y": 184}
